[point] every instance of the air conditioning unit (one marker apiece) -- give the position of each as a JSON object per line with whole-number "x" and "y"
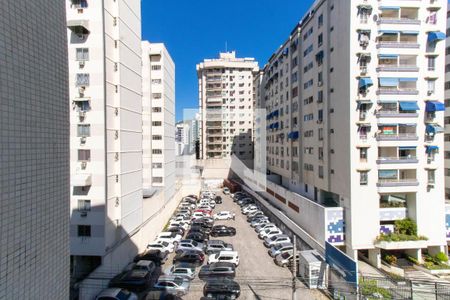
{"x": 363, "y": 70}
{"x": 83, "y": 165}
{"x": 430, "y": 92}
{"x": 81, "y": 63}
{"x": 363, "y": 115}
{"x": 83, "y": 140}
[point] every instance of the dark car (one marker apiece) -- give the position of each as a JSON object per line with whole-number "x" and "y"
{"x": 205, "y": 222}
{"x": 161, "y": 295}
{"x": 218, "y": 269}
{"x": 192, "y": 196}
{"x": 222, "y": 230}
{"x": 133, "y": 280}
{"x": 199, "y": 228}
{"x": 189, "y": 256}
{"x": 199, "y": 237}
{"x": 218, "y": 200}
{"x": 157, "y": 256}
{"x": 178, "y": 230}
{"x": 258, "y": 215}
{"x": 222, "y": 288}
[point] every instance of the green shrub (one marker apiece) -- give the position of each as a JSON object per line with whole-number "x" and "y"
{"x": 369, "y": 288}
{"x": 390, "y": 259}
{"x": 442, "y": 257}
{"x": 406, "y": 226}
{"x": 428, "y": 264}
{"x": 412, "y": 259}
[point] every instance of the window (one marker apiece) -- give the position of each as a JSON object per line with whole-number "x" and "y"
{"x": 157, "y": 165}
{"x": 84, "y": 230}
{"x": 320, "y": 134}
{"x": 308, "y": 84}
{"x": 156, "y": 137}
{"x": 320, "y": 21}
{"x": 294, "y": 92}
{"x": 320, "y": 171}
{"x": 156, "y": 123}
{"x": 363, "y": 178}
{"x": 83, "y": 130}
{"x": 431, "y": 63}
{"x": 320, "y": 39}
{"x": 308, "y": 50}
{"x": 306, "y": 188}
{"x": 431, "y": 176}
{"x": 319, "y": 78}
{"x": 320, "y": 115}
{"x": 319, "y": 96}
{"x": 320, "y": 153}
{"x": 84, "y": 205}
{"x": 82, "y": 54}
{"x": 82, "y": 79}
{"x": 156, "y": 67}
{"x": 82, "y": 105}
{"x": 84, "y": 155}
{"x": 156, "y": 151}
{"x": 156, "y": 81}
{"x": 156, "y": 95}
{"x": 447, "y": 85}
{"x": 156, "y": 109}
{"x": 363, "y": 154}
{"x": 431, "y": 86}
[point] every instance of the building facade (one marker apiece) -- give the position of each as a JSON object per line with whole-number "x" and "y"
{"x": 104, "y": 44}
{"x": 447, "y": 113}
{"x": 355, "y": 121}
{"x": 226, "y": 106}
{"x": 183, "y": 138}
{"x": 158, "y": 102}
{"x": 34, "y": 177}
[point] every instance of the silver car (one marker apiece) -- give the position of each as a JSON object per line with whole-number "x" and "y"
{"x": 175, "y": 285}
{"x": 276, "y": 239}
{"x": 284, "y": 258}
{"x": 280, "y": 248}
{"x": 182, "y": 270}
{"x": 116, "y": 294}
{"x": 189, "y": 245}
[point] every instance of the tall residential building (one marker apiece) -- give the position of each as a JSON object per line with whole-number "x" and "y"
{"x": 355, "y": 123}
{"x": 183, "y": 138}
{"x": 158, "y": 102}
{"x": 105, "y": 83}
{"x": 447, "y": 114}
{"x": 34, "y": 173}
{"x": 226, "y": 103}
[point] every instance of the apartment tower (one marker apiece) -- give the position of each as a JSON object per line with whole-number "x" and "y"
{"x": 104, "y": 44}
{"x": 158, "y": 101}
{"x": 447, "y": 115}
{"x": 226, "y": 103}
{"x": 34, "y": 177}
{"x": 355, "y": 120}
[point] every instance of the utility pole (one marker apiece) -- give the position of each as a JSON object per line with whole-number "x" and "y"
{"x": 294, "y": 269}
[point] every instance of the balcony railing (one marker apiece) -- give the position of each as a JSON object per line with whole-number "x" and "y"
{"x": 397, "y": 160}
{"x": 397, "y": 182}
{"x": 386, "y": 113}
{"x": 398, "y": 21}
{"x": 397, "y": 68}
{"x": 397, "y": 91}
{"x": 397, "y": 44}
{"x": 397, "y": 137}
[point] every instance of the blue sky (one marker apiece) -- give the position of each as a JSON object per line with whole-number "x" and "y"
{"x": 197, "y": 29}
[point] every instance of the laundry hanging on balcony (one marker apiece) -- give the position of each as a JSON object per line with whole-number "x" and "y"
{"x": 432, "y": 106}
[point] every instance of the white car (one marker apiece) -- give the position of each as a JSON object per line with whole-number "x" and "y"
{"x": 250, "y": 210}
{"x": 280, "y": 248}
{"x": 224, "y": 256}
{"x": 171, "y": 237}
{"x": 224, "y": 215}
{"x": 161, "y": 245}
{"x": 198, "y": 215}
{"x": 259, "y": 222}
{"x": 226, "y": 191}
{"x": 183, "y": 225}
{"x": 277, "y": 239}
{"x": 272, "y": 234}
{"x": 266, "y": 232}
{"x": 116, "y": 294}
{"x": 181, "y": 270}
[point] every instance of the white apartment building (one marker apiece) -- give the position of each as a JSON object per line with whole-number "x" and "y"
{"x": 182, "y": 138}
{"x": 447, "y": 113}
{"x": 34, "y": 173}
{"x": 354, "y": 116}
{"x": 158, "y": 101}
{"x": 226, "y": 103}
{"x": 104, "y": 49}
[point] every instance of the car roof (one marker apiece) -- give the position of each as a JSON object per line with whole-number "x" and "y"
{"x": 221, "y": 264}
{"x": 228, "y": 252}
{"x": 144, "y": 263}
{"x": 216, "y": 242}
{"x": 111, "y": 292}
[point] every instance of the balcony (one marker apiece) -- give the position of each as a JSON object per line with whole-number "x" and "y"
{"x": 397, "y": 68}
{"x": 398, "y": 15}
{"x": 397, "y": 137}
{"x": 397, "y": 155}
{"x": 397, "y": 160}
{"x": 397, "y": 182}
{"x": 393, "y": 213}
{"x": 396, "y": 177}
{"x": 394, "y": 113}
{"x": 397, "y": 91}
{"x": 393, "y": 39}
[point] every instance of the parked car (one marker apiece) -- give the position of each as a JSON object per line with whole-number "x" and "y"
{"x": 202, "y": 222}
{"x": 276, "y": 239}
{"x": 171, "y": 237}
{"x": 198, "y": 215}
{"x": 218, "y": 200}
{"x": 272, "y": 234}
{"x": 255, "y": 217}
{"x": 161, "y": 245}
{"x": 178, "y": 229}
{"x": 257, "y": 213}
{"x": 193, "y": 196}
{"x": 249, "y": 210}
{"x": 280, "y": 248}
{"x": 284, "y": 258}
{"x": 199, "y": 237}
{"x": 207, "y": 220}
{"x": 185, "y": 270}
{"x": 271, "y": 231}
{"x": 222, "y": 230}
{"x": 224, "y": 215}
{"x": 190, "y": 256}
{"x": 218, "y": 269}
{"x": 157, "y": 256}
{"x": 190, "y": 245}
{"x": 222, "y": 287}
{"x": 259, "y": 221}
{"x": 200, "y": 228}
{"x": 226, "y": 191}
{"x": 263, "y": 227}
{"x": 215, "y": 246}
{"x": 183, "y": 225}
{"x": 133, "y": 280}
{"x": 161, "y": 295}
{"x": 224, "y": 256}
{"x": 173, "y": 284}
{"x": 116, "y": 294}
{"x": 144, "y": 265}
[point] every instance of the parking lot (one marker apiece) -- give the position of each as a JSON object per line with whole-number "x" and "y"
{"x": 257, "y": 274}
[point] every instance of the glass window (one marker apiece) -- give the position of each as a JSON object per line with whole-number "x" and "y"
{"x": 84, "y": 230}
{"x": 84, "y": 155}
{"x": 82, "y": 54}
{"x": 84, "y": 205}
{"x": 363, "y": 178}
{"x": 82, "y": 79}
{"x": 84, "y": 130}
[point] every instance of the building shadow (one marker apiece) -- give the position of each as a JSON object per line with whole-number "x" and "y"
{"x": 242, "y": 155}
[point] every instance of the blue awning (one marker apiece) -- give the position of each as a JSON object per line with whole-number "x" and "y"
{"x": 286, "y": 51}
{"x": 388, "y": 31}
{"x": 430, "y": 149}
{"x": 269, "y": 116}
{"x": 275, "y": 125}
{"x": 386, "y": 174}
{"x": 365, "y": 82}
{"x": 408, "y": 105}
{"x": 388, "y": 81}
{"x": 407, "y": 79}
{"x": 390, "y": 7}
{"x": 411, "y": 32}
{"x": 407, "y": 148}
{"x": 293, "y": 135}
{"x": 387, "y": 55}
{"x": 319, "y": 55}
{"x": 434, "y": 106}
{"x": 275, "y": 113}
{"x": 434, "y": 128}
{"x": 435, "y": 36}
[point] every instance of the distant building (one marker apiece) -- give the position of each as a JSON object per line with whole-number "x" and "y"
{"x": 34, "y": 132}
{"x": 183, "y": 138}
{"x": 158, "y": 119}
{"x": 226, "y": 106}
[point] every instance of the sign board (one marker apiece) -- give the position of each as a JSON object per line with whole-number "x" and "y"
{"x": 341, "y": 263}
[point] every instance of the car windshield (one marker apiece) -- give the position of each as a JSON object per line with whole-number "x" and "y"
{"x": 178, "y": 281}
{"x": 194, "y": 243}
{"x": 286, "y": 255}
{"x": 123, "y": 295}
